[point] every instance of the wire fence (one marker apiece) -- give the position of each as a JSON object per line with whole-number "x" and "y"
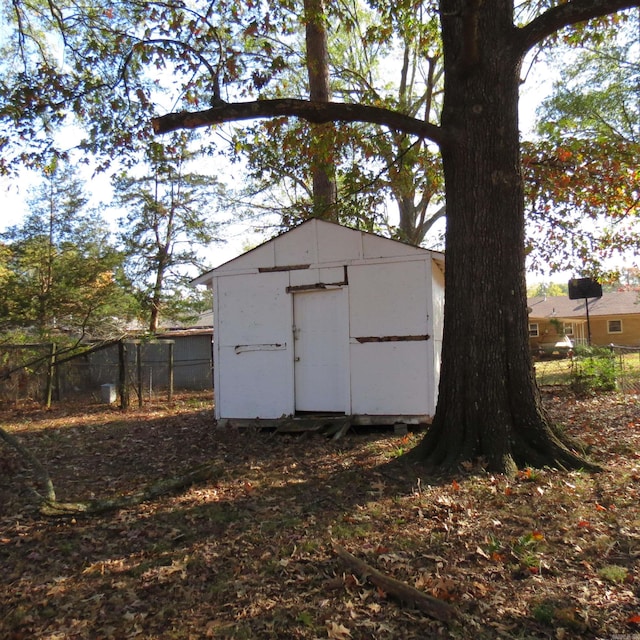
{"x": 628, "y": 376}
{"x": 118, "y": 371}
{"x": 618, "y": 363}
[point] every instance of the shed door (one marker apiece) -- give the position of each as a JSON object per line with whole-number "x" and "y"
{"x": 321, "y": 339}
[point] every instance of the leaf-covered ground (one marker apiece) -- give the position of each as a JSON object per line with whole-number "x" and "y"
{"x": 545, "y": 555}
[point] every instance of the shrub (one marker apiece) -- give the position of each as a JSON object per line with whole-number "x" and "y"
{"x": 594, "y": 369}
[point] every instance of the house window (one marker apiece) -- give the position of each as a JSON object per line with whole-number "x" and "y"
{"x": 568, "y": 328}
{"x": 614, "y": 326}
{"x": 533, "y": 330}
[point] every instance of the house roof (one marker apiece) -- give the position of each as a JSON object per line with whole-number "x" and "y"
{"x": 317, "y": 243}
{"x": 615, "y": 303}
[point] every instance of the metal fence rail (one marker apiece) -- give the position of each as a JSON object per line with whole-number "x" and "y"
{"x": 629, "y": 368}
{"x": 138, "y": 370}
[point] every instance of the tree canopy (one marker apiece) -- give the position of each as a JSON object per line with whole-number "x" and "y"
{"x": 60, "y": 271}
{"x": 168, "y": 223}
{"x": 583, "y": 169}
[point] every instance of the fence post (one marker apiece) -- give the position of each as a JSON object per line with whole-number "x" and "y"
{"x": 139, "y": 363}
{"x": 50, "y": 374}
{"x": 170, "y": 371}
{"x": 124, "y": 388}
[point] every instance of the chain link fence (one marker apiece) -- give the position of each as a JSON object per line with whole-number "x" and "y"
{"x": 118, "y": 371}
{"x": 621, "y": 364}
{"x": 628, "y": 377}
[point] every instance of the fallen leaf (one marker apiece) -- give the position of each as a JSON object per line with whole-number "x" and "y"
{"x": 337, "y": 631}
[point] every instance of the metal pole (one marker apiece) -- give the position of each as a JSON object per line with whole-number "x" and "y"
{"x": 586, "y": 301}
{"x": 139, "y": 363}
{"x": 170, "y": 398}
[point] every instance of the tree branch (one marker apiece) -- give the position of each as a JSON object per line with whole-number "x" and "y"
{"x": 564, "y": 15}
{"x": 407, "y": 594}
{"x": 316, "y": 112}
{"x": 40, "y": 471}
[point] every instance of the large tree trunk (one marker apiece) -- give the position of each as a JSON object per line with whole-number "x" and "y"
{"x": 489, "y": 406}
{"x": 323, "y": 143}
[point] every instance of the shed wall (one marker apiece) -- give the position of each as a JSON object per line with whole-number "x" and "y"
{"x": 391, "y": 345}
{"x": 253, "y": 346}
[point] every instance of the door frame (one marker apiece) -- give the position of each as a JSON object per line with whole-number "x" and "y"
{"x": 339, "y": 360}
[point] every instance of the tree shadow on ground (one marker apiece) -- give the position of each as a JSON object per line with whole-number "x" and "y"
{"x": 249, "y": 555}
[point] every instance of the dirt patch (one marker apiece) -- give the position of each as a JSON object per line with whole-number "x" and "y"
{"x": 548, "y": 554}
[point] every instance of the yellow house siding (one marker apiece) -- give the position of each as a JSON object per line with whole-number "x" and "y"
{"x": 630, "y": 335}
{"x": 551, "y": 313}
{"x": 550, "y": 331}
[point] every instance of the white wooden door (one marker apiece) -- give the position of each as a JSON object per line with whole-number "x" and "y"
{"x": 321, "y": 339}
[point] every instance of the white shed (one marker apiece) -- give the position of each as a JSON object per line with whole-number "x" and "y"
{"x": 327, "y": 320}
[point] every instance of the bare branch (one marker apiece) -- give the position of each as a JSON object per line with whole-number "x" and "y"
{"x": 317, "y": 112}
{"x": 564, "y": 15}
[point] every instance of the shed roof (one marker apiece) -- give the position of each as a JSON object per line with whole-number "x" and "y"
{"x": 314, "y": 243}
{"x": 615, "y": 303}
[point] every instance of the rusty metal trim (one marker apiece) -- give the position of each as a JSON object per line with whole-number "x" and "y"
{"x": 275, "y": 346}
{"x": 289, "y": 267}
{"x": 364, "y": 339}
{"x": 319, "y": 285}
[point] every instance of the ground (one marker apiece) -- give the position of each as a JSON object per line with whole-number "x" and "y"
{"x": 547, "y": 554}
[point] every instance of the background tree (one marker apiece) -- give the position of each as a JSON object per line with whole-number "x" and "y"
{"x": 583, "y": 170}
{"x": 61, "y": 269}
{"x": 548, "y": 289}
{"x": 386, "y": 55}
{"x": 168, "y": 225}
{"x": 323, "y": 136}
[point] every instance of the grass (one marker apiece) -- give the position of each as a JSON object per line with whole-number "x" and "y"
{"x": 553, "y": 372}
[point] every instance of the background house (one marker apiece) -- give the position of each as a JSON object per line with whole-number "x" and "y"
{"x": 326, "y": 319}
{"x": 614, "y": 319}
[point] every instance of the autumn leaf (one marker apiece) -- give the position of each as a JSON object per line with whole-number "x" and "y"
{"x": 337, "y": 631}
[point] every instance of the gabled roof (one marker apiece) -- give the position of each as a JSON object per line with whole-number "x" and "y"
{"x": 615, "y": 303}
{"x": 316, "y": 243}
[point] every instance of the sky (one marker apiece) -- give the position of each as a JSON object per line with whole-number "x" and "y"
{"x": 14, "y": 193}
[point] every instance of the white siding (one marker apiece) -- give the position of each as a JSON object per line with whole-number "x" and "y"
{"x": 391, "y": 300}
{"x": 253, "y": 342}
{"x": 388, "y": 299}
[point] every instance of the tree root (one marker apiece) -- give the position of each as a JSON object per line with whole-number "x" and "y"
{"x": 433, "y": 607}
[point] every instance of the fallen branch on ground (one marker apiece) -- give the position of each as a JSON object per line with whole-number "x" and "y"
{"x": 41, "y": 473}
{"x": 403, "y": 592}
{"x": 49, "y": 505}
{"x": 93, "y": 507}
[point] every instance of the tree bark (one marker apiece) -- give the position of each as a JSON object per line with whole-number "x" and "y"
{"x": 324, "y": 135}
{"x": 293, "y": 107}
{"x": 489, "y": 406}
